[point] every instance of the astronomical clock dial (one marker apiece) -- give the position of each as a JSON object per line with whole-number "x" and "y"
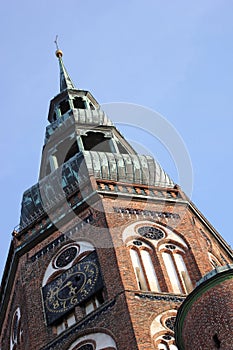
{"x": 72, "y": 287}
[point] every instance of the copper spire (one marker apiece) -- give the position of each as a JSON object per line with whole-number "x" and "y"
{"x": 65, "y": 80}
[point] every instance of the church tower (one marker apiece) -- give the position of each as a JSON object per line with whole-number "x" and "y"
{"x": 108, "y": 246}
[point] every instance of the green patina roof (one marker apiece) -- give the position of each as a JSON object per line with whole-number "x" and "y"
{"x": 65, "y": 80}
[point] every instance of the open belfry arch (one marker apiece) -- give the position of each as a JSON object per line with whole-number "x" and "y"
{"x": 108, "y": 246}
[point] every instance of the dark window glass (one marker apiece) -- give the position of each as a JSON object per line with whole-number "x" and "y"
{"x": 216, "y": 341}
{"x": 95, "y": 141}
{"x": 48, "y": 169}
{"x": 91, "y": 106}
{"x": 79, "y": 103}
{"x": 170, "y": 323}
{"x": 64, "y": 107}
{"x": 72, "y": 151}
{"x": 121, "y": 148}
{"x": 86, "y": 347}
{"x": 65, "y": 151}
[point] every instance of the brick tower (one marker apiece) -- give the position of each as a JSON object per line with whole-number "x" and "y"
{"x": 205, "y": 319}
{"x": 107, "y": 248}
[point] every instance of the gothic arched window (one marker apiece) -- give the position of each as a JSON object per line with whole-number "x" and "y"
{"x": 16, "y": 332}
{"x": 173, "y": 257}
{"x": 86, "y": 347}
{"x": 142, "y": 255}
{"x": 157, "y": 253}
{"x": 162, "y": 331}
{"x": 214, "y": 261}
{"x": 166, "y": 342}
{"x": 94, "y": 341}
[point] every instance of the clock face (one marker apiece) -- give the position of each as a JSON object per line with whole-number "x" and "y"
{"x": 72, "y": 287}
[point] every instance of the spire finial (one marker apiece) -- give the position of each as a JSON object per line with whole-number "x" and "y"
{"x": 56, "y": 43}
{"x": 58, "y": 52}
{"x": 65, "y": 81}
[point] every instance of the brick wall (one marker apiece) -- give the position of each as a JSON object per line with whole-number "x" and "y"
{"x": 127, "y": 316}
{"x": 209, "y": 323}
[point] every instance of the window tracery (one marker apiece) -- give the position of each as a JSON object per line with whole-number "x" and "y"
{"x": 166, "y": 342}
{"x": 151, "y": 243}
{"x": 214, "y": 261}
{"x": 170, "y": 323}
{"x": 150, "y": 232}
{"x": 142, "y": 260}
{"x": 162, "y": 331}
{"x": 94, "y": 341}
{"x": 173, "y": 257}
{"x": 86, "y": 347}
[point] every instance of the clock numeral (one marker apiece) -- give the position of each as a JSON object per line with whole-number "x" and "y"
{"x": 83, "y": 292}
{"x": 89, "y": 281}
{"x": 64, "y": 304}
{"x": 56, "y": 304}
{"x": 73, "y": 300}
{"x": 86, "y": 267}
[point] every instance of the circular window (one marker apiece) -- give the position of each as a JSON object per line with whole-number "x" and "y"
{"x": 151, "y": 232}
{"x": 66, "y": 257}
{"x": 170, "y": 323}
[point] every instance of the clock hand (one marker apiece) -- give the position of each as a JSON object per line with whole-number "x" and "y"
{"x": 71, "y": 285}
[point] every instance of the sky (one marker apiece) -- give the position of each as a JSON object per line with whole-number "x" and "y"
{"x": 171, "y": 57}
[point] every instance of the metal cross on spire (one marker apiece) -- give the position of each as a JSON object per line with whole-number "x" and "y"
{"x": 59, "y": 53}
{"x": 56, "y": 43}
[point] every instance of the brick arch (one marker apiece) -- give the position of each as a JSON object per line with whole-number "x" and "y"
{"x": 83, "y": 248}
{"x": 176, "y": 268}
{"x": 159, "y": 258}
{"x": 162, "y": 336}
{"x": 214, "y": 261}
{"x": 144, "y": 263}
{"x": 169, "y": 233}
{"x": 130, "y": 232}
{"x": 99, "y": 340}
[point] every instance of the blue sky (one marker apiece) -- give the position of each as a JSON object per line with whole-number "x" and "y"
{"x": 174, "y": 57}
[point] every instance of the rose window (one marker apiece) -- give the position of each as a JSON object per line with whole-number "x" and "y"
{"x": 151, "y": 232}
{"x": 170, "y": 323}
